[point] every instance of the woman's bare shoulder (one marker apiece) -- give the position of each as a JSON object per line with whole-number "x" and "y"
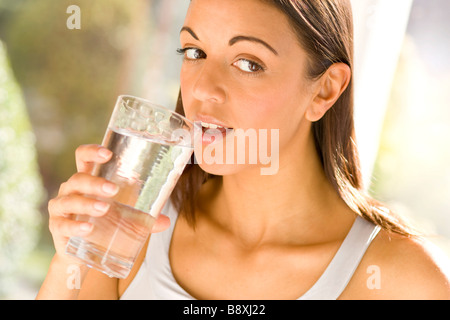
{"x": 404, "y": 268}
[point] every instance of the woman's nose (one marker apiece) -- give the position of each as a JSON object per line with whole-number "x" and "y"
{"x": 209, "y": 84}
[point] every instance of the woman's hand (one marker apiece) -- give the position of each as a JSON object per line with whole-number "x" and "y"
{"x": 78, "y": 196}
{"x": 72, "y": 199}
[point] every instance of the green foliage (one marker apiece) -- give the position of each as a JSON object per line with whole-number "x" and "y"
{"x": 70, "y": 78}
{"x": 21, "y": 190}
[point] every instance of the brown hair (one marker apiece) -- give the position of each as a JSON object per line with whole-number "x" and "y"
{"x": 325, "y": 30}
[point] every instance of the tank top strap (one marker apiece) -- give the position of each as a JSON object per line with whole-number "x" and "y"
{"x": 344, "y": 264}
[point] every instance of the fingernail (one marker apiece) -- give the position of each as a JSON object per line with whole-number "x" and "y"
{"x": 110, "y": 188}
{"x": 104, "y": 153}
{"x": 101, "y": 206}
{"x": 85, "y": 227}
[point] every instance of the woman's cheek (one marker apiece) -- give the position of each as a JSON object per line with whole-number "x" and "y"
{"x": 186, "y": 96}
{"x": 262, "y": 113}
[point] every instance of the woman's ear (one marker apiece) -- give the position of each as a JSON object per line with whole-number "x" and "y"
{"x": 329, "y": 88}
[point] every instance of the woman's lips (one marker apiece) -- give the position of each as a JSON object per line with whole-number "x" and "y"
{"x": 212, "y": 132}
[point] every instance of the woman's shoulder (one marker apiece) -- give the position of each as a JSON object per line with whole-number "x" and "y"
{"x": 398, "y": 267}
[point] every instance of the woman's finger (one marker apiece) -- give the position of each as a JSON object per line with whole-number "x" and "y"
{"x": 83, "y": 183}
{"x": 86, "y": 156}
{"x": 162, "y": 223}
{"x": 77, "y": 204}
{"x": 69, "y": 228}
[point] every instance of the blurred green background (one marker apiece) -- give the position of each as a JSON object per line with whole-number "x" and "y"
{"x": 58, "y": 87}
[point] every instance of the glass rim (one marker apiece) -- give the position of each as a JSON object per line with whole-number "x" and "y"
{"x": 146, "y": 101}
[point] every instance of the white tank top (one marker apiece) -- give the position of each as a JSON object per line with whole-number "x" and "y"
{"x": 155, "y": 281}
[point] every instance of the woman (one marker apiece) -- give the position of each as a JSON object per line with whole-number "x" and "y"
{"x": 308, "y": 231}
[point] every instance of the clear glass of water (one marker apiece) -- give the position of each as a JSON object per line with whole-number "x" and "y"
{"x": 151, "y": 146}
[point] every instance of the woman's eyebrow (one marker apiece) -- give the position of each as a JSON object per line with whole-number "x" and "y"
{"x": 252, "y": 39}
{"x": 234, "y": 40}
{"x": 192, "y": 33}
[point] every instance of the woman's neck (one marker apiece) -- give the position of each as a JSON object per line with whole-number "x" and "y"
{"x": 296, "y": 205}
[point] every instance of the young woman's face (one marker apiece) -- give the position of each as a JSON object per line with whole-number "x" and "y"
{"x": 243, "y": 69}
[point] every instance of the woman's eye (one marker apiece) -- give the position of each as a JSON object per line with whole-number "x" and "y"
{"x": 248, "y": 66}
{"x": 192, "y": 53}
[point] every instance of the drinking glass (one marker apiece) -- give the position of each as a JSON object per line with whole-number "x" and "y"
{"x": 151, "y": 146}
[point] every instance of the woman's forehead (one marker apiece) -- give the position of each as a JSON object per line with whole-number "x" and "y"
{"x": 225, "y": 19}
